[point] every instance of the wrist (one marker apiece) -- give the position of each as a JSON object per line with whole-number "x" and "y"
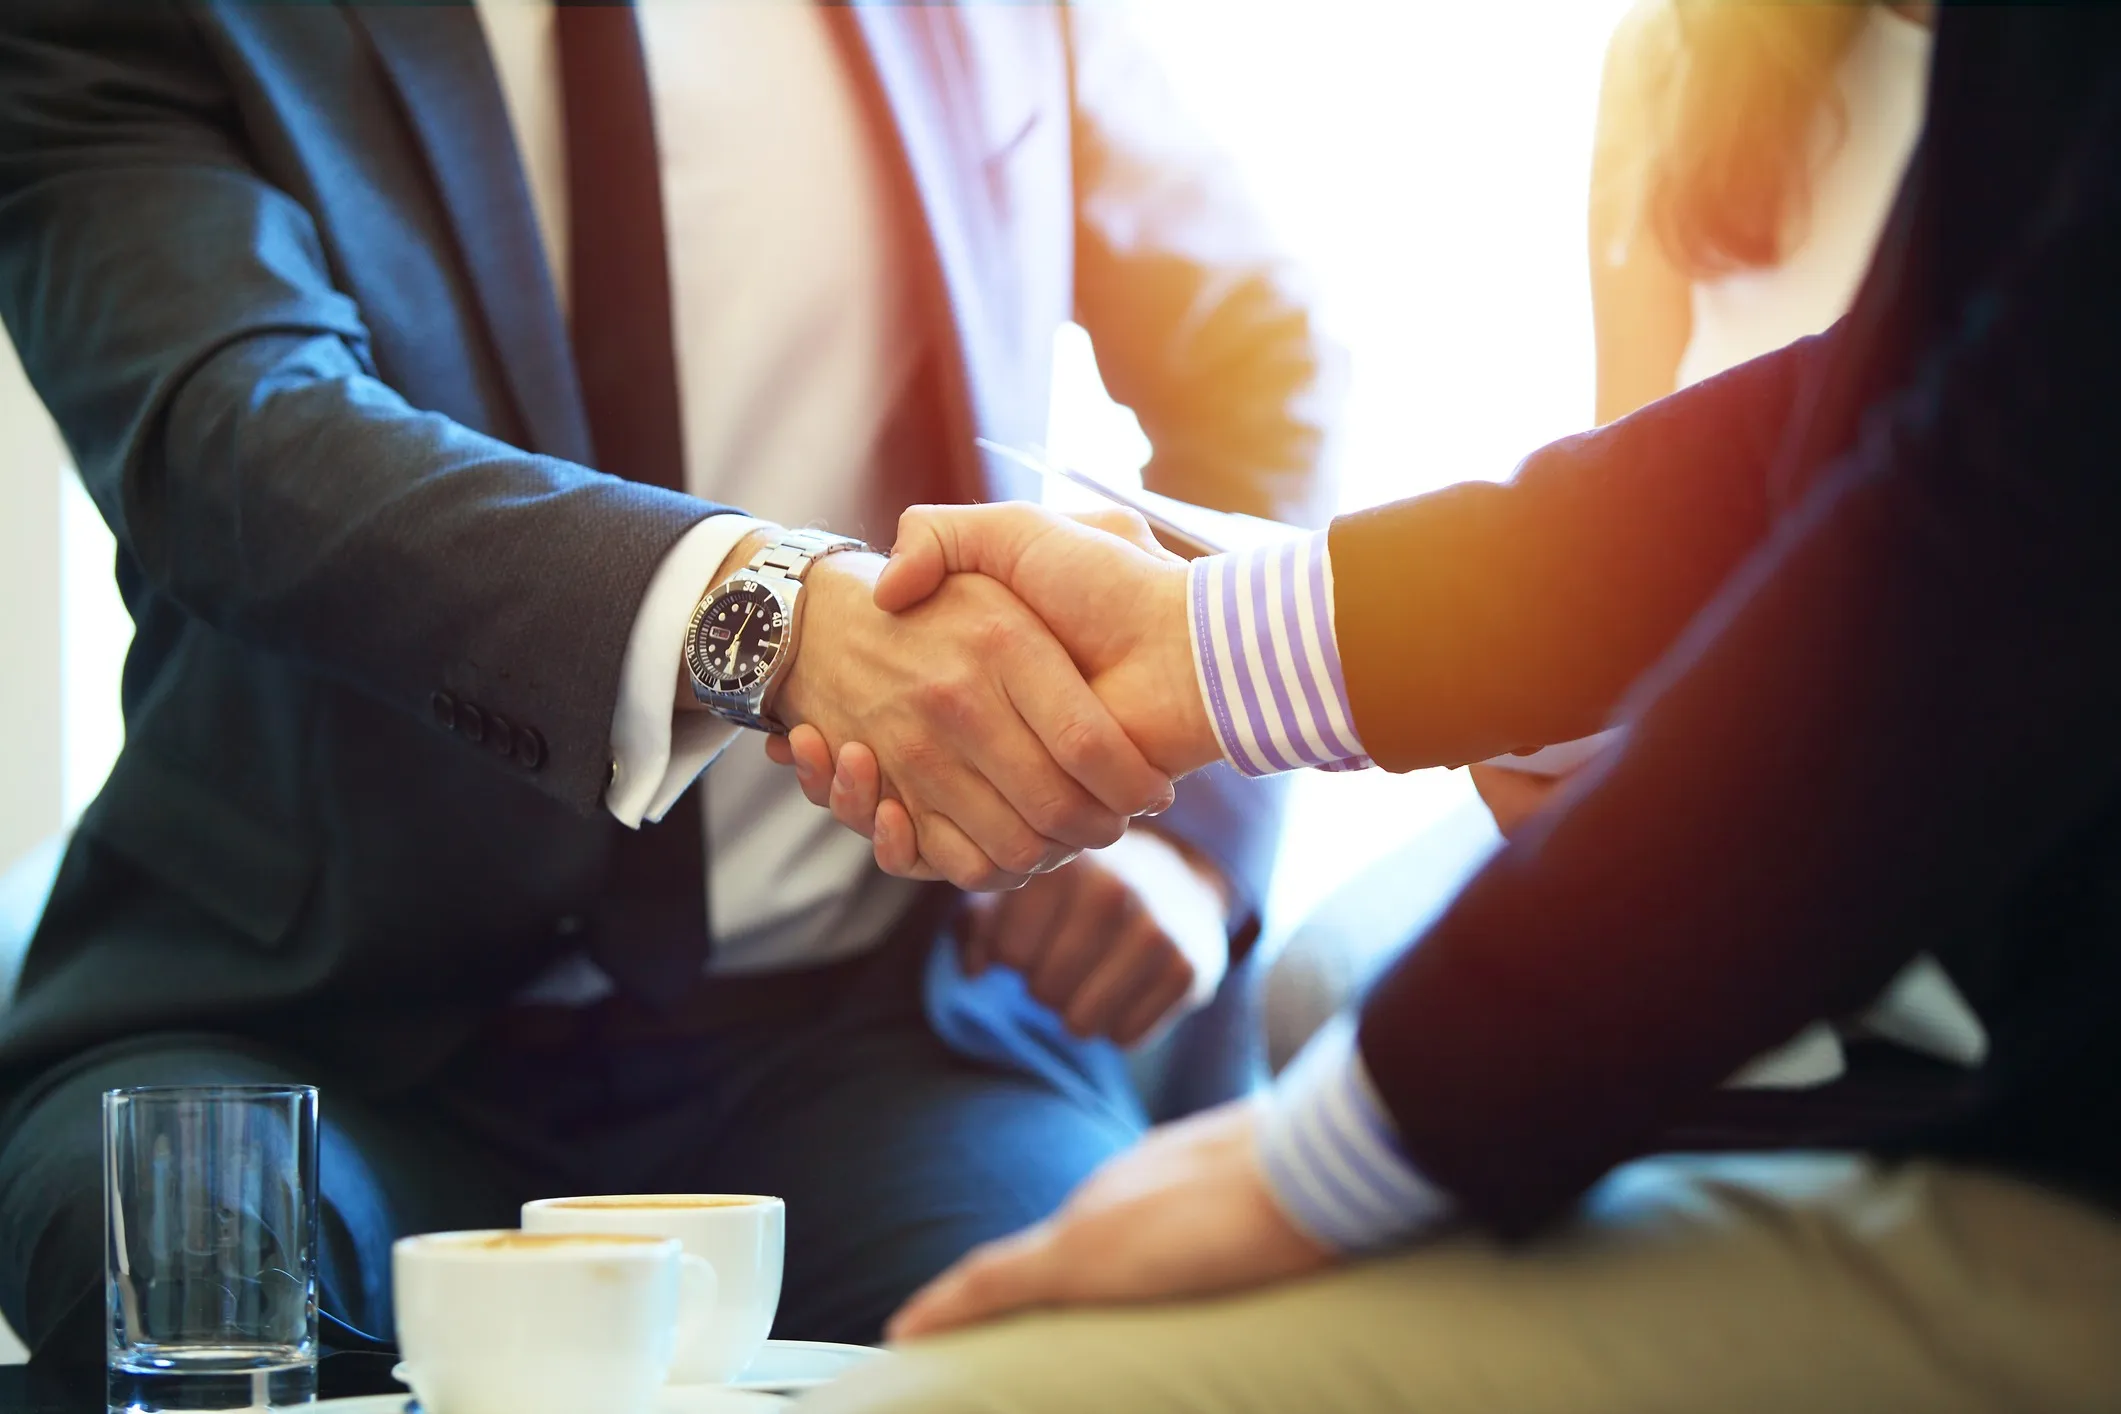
{"x": 1267, "y": 661}
{"x": 739, "y": 556}
{"x": 1152, "y": 690}
{"x": 742, "y": 552}
{"x": 1190, "y": 730}
{"x": 836, "y": 587}
{"x": 1331, "y": 1155}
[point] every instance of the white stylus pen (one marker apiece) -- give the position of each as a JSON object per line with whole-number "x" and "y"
{"x": 1190, "y": 541}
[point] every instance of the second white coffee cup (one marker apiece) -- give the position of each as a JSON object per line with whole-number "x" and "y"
{"x": 743, "y": 1235}
{"x": 545, "y": 1323}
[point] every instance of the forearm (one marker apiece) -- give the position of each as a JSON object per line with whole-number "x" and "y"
{"x": 1332, "y": 1156}
{"x": 302, "y": 507}
{"x": 1484, "y": 619}
{"x": 659, "y": 747}
{"x": 1944, "y": 593}
{"x": 178, "y": 315}
{"x": 257, "y": 472}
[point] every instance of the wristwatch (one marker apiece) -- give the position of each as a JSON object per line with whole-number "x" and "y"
{"x": 742, "y": 635}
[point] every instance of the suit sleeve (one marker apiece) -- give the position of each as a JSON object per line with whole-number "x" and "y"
{"x": 178, "y": 316}
{"x": 1202, "y": 327}
{"x": 1898, "y": 704}
{"x": 1485, "y": 618}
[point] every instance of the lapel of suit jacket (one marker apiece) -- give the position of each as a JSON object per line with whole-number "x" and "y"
{"x": 899, "y": 56}
{"x": 437, "y": 58}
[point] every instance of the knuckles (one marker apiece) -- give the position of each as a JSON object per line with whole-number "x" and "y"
{"x": 950, "y": 699}
{"x": 921, "y": 757}
{"x": 993, "y": 637}
{"x": 1079, "y": 745}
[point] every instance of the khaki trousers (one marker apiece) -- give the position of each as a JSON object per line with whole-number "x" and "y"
{"x": 1805, "y": 1284}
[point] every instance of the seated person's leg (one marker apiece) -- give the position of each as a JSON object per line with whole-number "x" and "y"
{"x": 896, "y": 1158}
{"x": 380, "y": 1174}
{"x": 1745, "y": 1285}
{"x": 894, "y": 1154}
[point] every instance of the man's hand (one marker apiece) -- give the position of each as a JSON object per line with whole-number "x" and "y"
{"x": 1001, "y": 757}
{"x": 1116, "y": 942}
{"x": 1112, "y": 596}
{"x": 1185, "y": 1213}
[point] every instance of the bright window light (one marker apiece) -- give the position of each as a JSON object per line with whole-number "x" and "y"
{"x": 1430, "y": 163}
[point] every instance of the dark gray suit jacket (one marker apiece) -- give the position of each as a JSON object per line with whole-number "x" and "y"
{"x": 273, "y": 268}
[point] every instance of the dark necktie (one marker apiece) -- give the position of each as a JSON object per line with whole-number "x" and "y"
{"x": 650, "y": 929}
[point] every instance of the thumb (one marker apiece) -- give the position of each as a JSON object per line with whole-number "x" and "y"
{"x": 1126, "y": 523}
{"x": 935, "y": 541}
{"x": 992, "y": 1280}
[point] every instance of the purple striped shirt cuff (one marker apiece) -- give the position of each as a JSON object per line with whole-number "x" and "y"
{"x": 1268, "y": 662}
{"x": 1333, "y": 1160}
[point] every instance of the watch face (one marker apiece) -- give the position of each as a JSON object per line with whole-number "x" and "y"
{"x": 737, "y": 638}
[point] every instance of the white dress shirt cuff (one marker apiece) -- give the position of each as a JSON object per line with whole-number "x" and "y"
{"x": 657, "y": 751}
{"x": 1332, "y": 1158}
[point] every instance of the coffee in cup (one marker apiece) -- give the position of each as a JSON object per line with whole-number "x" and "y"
{"x": 505, "y": 1322}
{"x": 742, "y": 1235}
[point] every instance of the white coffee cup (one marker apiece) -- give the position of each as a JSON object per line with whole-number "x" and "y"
{"x": 509, "y": 1322}
{"x": 742, "y": 1234}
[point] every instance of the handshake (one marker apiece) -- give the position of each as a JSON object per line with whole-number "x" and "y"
{"x": 1011, "y": 686}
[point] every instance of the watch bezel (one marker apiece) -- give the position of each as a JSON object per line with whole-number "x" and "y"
{"x": 710, "y": 685}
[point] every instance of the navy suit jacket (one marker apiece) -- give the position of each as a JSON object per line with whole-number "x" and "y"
{"x": 1860, "y": 604}
{"x": 274, "y": 269}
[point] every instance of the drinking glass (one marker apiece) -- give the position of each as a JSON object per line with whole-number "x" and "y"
{"x": 210, "y": 1210}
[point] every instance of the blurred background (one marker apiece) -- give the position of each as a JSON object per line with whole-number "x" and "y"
{"x": 1428, "y": 161}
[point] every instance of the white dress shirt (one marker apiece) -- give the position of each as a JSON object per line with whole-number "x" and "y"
{"x": 795, "y": 341}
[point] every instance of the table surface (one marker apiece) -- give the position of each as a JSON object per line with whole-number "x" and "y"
{"x": 26, "y": 1389}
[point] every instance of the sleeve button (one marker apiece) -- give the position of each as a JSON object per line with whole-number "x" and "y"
{"x": 530, "y": 748}
{"x": 471, "y": 722}
{"x": 444, "y": 708}
{"x": 500, "y": 733}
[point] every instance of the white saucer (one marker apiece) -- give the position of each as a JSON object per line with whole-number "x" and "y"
{"x": 783, "y": 1366}
{"x": 672, "y": 1399}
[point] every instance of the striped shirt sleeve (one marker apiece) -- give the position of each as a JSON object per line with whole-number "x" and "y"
{"x": 1267, "y": 659}
{"x": 1333, "y": 1160}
